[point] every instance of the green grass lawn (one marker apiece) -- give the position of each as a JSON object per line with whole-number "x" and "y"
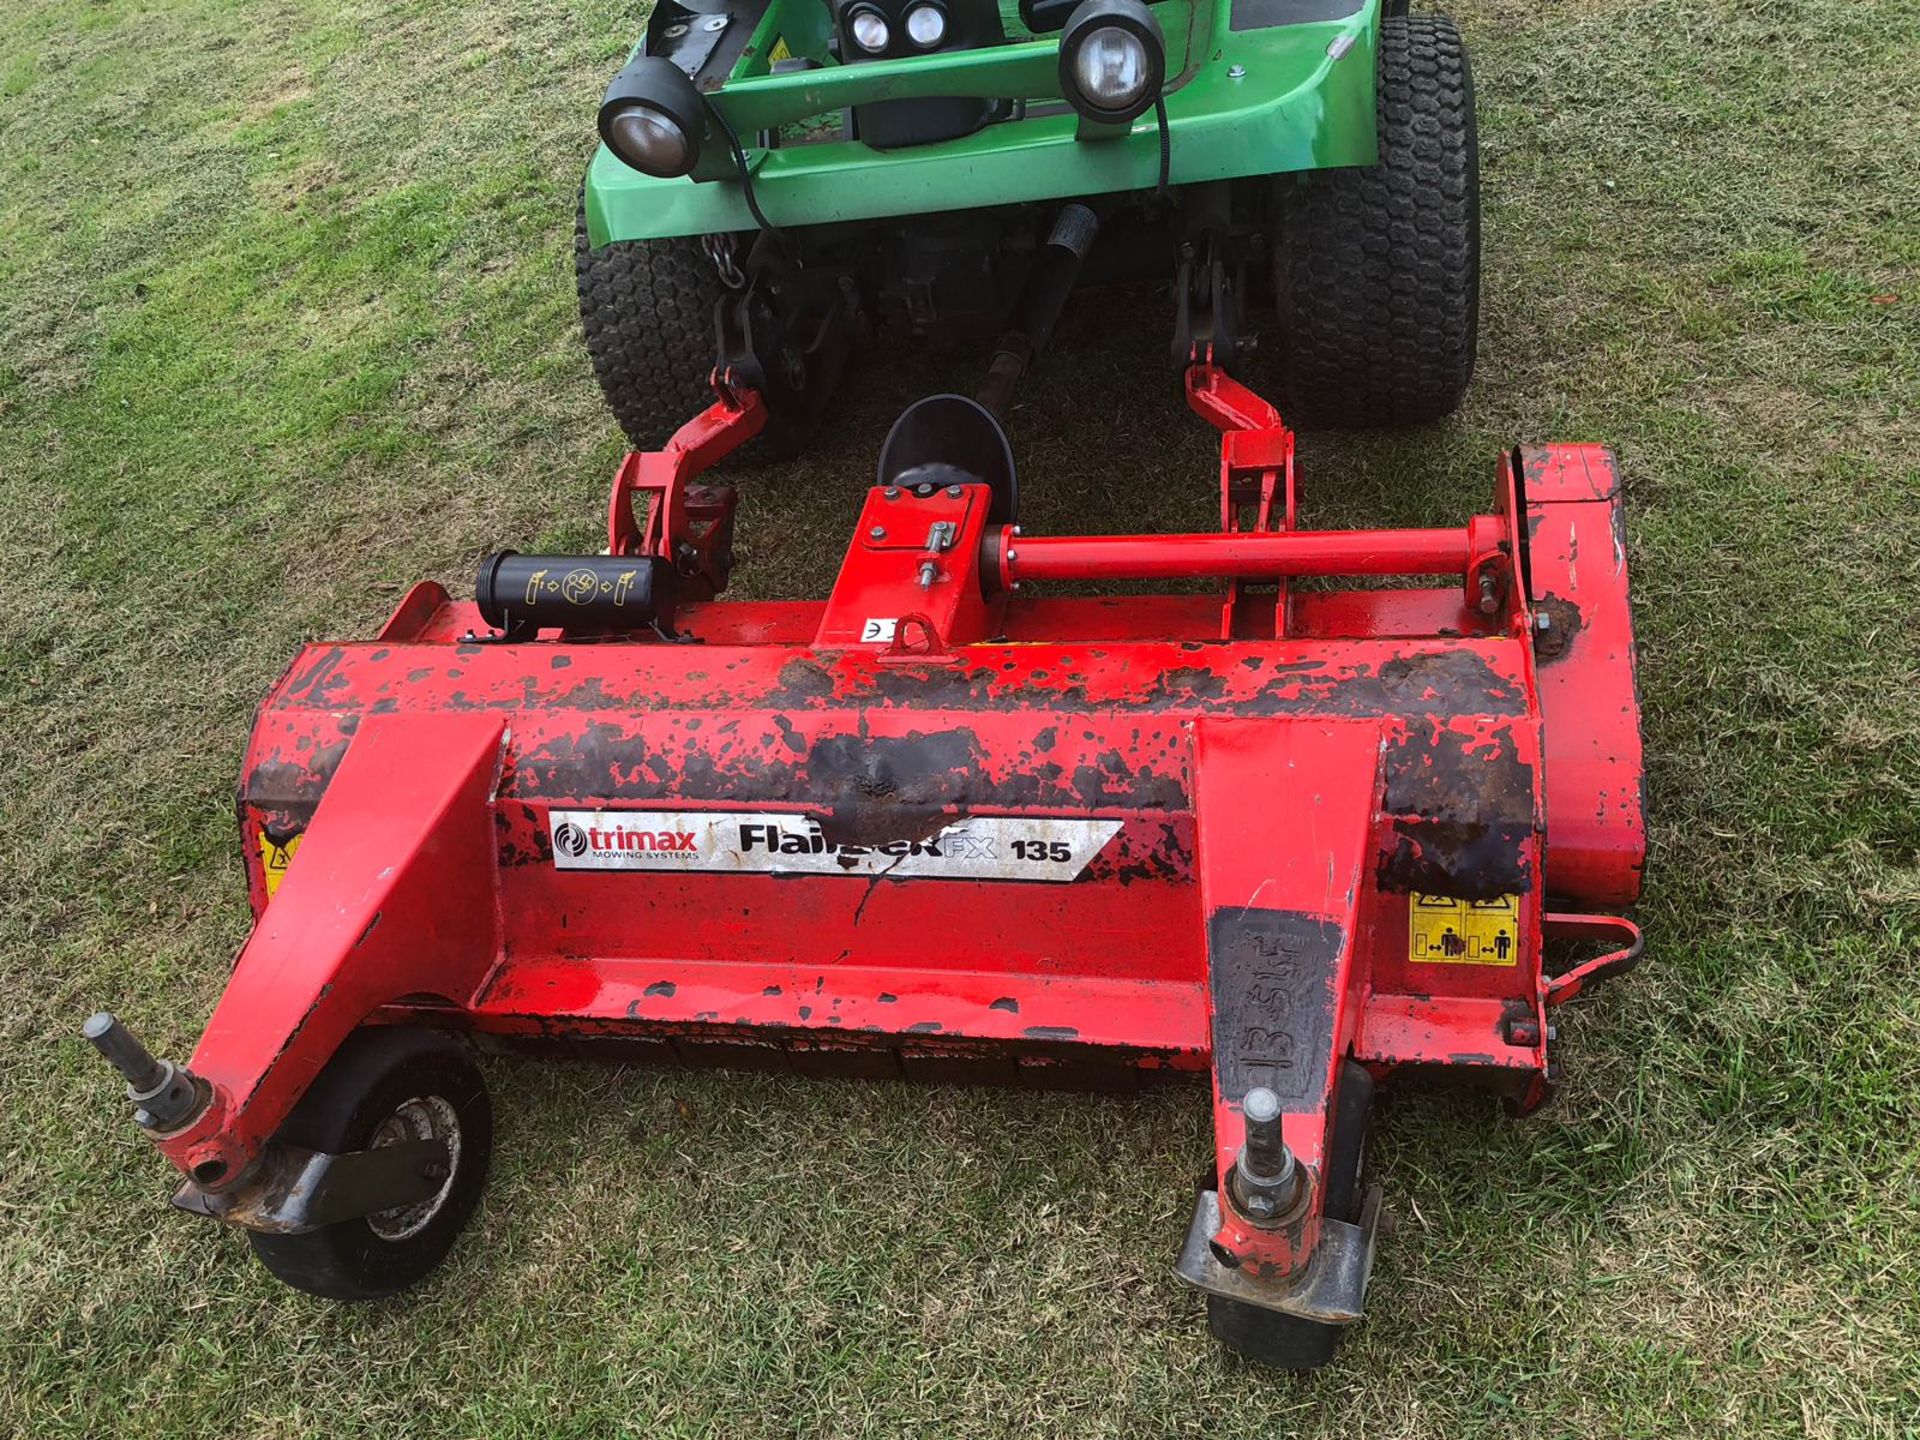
{"x": 287, "y": 322}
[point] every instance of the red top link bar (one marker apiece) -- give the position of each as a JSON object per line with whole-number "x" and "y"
{"x": 1256, "y": 556}
{"x": 1257, "y": 458}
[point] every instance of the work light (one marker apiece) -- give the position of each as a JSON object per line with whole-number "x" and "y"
{"x": 1113, "y": 60}
{"x": 869, "y": 29}
{"x": 653, "y": 119}
{"x": 926, "y": 26}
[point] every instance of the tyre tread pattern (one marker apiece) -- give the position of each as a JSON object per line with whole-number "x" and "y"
{"x": 1377, "y": 269}
{"x": 647, "y": 310}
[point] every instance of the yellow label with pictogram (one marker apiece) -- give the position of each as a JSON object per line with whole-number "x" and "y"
{"x": 779, "y": 52}
{"x": 1444, "y": 931}
{"x": 274, "y": 859}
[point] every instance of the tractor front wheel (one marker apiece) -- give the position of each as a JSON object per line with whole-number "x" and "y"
{"x": 387, "y": 1085}
{"x": 1377, "y": 269}
{"x": 647, "y": 308}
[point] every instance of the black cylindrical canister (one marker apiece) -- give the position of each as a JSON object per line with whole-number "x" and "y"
{"x": 580, "y": 594}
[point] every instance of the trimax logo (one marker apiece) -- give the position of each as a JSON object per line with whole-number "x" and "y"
{"x": 618, "y": 839}
{"x": 778, "y": 840}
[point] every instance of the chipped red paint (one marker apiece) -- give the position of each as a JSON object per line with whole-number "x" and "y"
{"x": 1282, "y": 770}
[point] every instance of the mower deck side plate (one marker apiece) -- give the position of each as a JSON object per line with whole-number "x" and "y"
{"x": 866, "y": 1003}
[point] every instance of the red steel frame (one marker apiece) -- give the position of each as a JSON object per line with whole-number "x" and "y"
{"x": 1286, "y": 771}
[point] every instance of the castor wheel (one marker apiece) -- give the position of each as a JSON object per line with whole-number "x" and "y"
{"x": 1285, "y": 1342}
{"x": 1290, "y": 1342}
{"x": 384, "y": 1086}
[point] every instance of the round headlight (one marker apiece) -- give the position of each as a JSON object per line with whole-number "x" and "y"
{"x": 1111, "y": 67}
{"x": 869, "y": 30}
{"x": 1113, "y": 60}
{"x": 650, "y": 142}
{"x": 653, "y": 119}
{"x": 926, "y": 25}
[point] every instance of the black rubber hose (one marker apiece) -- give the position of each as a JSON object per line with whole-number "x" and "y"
{"x": 746, "y": 186}
{"x": 1041, "y": 300}
{"x": 1166, "y": 143}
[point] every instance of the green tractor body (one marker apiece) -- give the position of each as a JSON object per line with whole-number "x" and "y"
{"x": 781, "y": 182}
{"x": 1254, "y": 88}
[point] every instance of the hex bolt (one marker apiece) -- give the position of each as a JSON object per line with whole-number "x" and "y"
{"x": 165, "y": 1095}
{"x": 1236, "y": 72}
{"x": 1543, "y": 622}
{"x": 674, "y": 32}
{"x": 1260, "y": 1204}
{"x": 714, "y": 22}
{"x": 954, "y": 491}
{"x": 892, "y": 492}
{"x": 929, "y": 572}
{"x": 878, "y": 532}
{"x": 1489, "y": 593}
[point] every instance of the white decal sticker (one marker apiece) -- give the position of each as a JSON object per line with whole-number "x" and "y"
{"x": 878, "y": 631}
{"x": 978, "y": 847}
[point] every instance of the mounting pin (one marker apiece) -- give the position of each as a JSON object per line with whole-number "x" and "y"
{"x": 165, "y": 1095}
{"x": 1267, "y": 1183}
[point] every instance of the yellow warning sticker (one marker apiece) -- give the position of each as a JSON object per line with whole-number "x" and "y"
{"x": 779, "y": 52}
{"x": 274, "y": 859}
{"x": 1444, "y": 931}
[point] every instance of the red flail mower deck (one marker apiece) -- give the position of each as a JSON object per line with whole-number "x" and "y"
{"x": 944, "y": 825}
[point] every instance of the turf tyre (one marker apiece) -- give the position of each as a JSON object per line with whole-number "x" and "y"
{"x": 378, "y": 1072}
{"x": 1377, "y": 269}
{"x": 647, "y": 311}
